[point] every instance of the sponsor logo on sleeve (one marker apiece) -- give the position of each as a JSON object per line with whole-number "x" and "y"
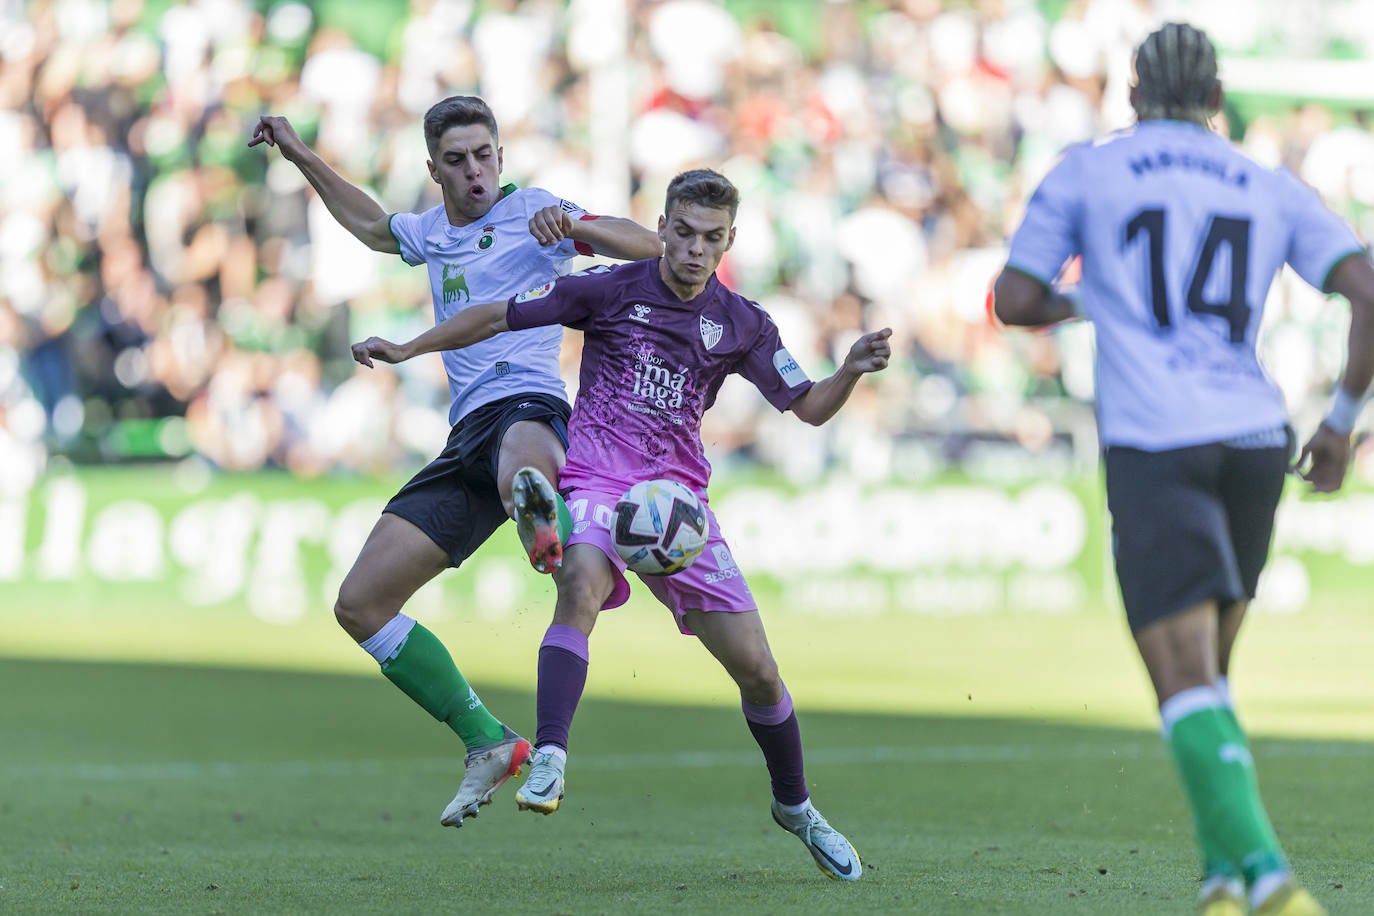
{"x": 710, "y": 332}
{"x": 787, "y": 367}
{"x": 569, "y": 207}
{"x": 539, "y": 292}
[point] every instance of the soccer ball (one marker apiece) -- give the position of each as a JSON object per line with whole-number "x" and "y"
{"x": 659, "y": 527}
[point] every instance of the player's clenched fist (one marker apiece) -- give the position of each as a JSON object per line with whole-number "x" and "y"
{"x": 277, "y": 131}
{"x": 380, "y": 349}
{"x": 871, "y": 352}
{"x": 550, "y": 225}
{"x": 1324, "y": 459}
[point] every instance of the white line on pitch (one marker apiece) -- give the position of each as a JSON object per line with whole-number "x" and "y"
{"x": 935, "y": 754}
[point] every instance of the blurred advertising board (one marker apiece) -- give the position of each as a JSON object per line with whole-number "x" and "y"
{"x": 177, "y": 538}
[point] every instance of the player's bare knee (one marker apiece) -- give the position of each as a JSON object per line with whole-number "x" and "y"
{"x": 347, "y": 616}
{"x": 578, "y": 610}
{"x": 584, "y": 583}
{"x": 359, "y": 617}
{"x": 758, "y": 681}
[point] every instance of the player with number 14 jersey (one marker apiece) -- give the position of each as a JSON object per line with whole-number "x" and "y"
{"x": 1181, "y": 236}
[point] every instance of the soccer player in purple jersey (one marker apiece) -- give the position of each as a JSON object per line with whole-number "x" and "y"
{"x": 659, "y": 338}
{"x": 1181, "y": 236}
{"x": 508, "y": 409}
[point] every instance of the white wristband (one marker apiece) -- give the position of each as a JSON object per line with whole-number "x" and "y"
{"x": 1344, "y": 411}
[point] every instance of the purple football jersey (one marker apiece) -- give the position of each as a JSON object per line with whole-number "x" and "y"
{"x": 651, "y": 366}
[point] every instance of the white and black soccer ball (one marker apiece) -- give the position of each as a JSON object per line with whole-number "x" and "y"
{"x": 659, "y": 527}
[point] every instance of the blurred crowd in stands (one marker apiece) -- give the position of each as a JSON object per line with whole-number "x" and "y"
{"x": 165, "y": 291}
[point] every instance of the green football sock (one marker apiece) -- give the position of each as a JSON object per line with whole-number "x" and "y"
{"x": 1214, "y": 860}
{"x": 1271, "y": 858}
{"x": 1219, "y": 778}
{"x": 564, "y": 521}
{"x": 424, "y": 670}
{"x": 1228, "y": 713}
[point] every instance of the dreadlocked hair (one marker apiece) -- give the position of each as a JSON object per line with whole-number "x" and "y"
{"x": 1176, "y": 75}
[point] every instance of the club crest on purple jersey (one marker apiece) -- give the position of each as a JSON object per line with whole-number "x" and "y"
{"x": 710, "y": 332}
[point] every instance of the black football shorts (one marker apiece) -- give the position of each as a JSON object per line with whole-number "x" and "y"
{"x": 454, "y": 499}
{"x": 1191, "y": 524}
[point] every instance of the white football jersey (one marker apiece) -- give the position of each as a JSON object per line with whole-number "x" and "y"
{"x": 1181, "y": 236}
{"x": 490, "y": 260}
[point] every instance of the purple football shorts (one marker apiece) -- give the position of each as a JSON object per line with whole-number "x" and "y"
{"x": 713, "y": 583}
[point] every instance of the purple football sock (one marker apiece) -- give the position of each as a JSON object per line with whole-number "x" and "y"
{"x": 562, "y": 675}
{"x": 776, "y": 730}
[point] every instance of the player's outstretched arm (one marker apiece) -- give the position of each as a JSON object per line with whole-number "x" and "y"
{"x": 467, "y": 327}
{"x": 1023, "y": 301}
{"x": 1326, "y": 456}
{"x": 613, "y": 236}
{"x": 354, "y": 210}
{"x": 822, "y": 400}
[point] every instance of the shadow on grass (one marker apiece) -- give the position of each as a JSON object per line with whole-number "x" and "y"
{"x": 139, "y": 787}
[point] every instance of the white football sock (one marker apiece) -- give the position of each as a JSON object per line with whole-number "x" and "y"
{"x": 386, "y": 642}
{"x": 1230, "y": 882}
{"x": 555, "y": 750}
{"x": 1223, "y": 687}
{"x": 1265, "y": 885}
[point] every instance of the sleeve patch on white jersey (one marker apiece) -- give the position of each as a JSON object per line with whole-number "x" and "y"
{"x": 787, "y": 367}
{"x": 539, "y": 292}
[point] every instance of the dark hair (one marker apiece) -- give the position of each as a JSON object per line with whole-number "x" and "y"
{"x": 1176, "y": 75}
{"x": 705, "y": 188}
{"x": 457, "y": 111}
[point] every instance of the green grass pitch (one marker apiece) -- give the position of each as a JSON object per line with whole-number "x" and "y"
{"x": 155, "y": 788}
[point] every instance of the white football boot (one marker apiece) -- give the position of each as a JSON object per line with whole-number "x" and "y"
{"x": 485, "y": 770}
{"x": 543, "y": 788}
{"x": 832, "y": 852}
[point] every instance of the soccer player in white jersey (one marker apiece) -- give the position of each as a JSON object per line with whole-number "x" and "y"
{"x": 509, "y": 406}
{"x": 1181, "y": 236}
{"x": 659, "y": 338}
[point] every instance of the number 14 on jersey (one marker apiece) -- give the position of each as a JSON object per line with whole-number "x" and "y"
{"x": 1232, "y": 232}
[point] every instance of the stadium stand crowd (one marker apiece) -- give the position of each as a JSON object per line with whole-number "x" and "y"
{"x": 165, "y": 291}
